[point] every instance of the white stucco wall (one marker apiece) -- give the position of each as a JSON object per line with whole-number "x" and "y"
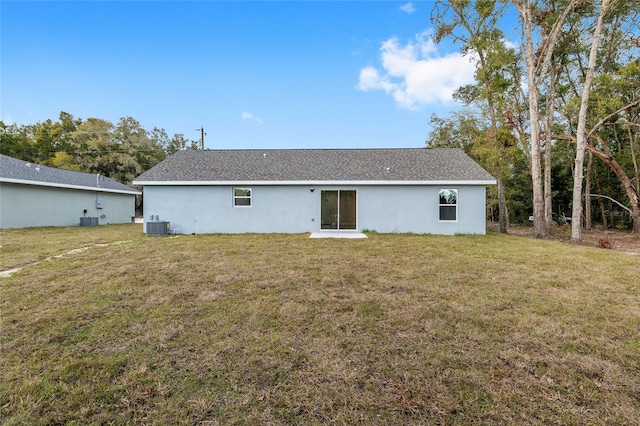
{"x": 295, "y": 209}
{"x": 23, "y": 206}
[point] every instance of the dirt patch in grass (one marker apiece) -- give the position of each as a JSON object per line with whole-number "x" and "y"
{"x": 283, "y": 329}
{"x": 615, "y": 240}
{"x": 610, "y": 239}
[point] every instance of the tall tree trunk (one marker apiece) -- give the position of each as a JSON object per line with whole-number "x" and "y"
{"x": 587, "y": 196}
{"x": 576, "y": 216}
{"x": 539, "y": 230}
{"x": 603, "y": 210}
{"x": 548, "y": 127}
{"x": 548, "y": 217}
{"x": 633, "y": 158}
{"x": 635, "y": 217}
{"x": 502, "y": 202}
{"x": 537, "y": 71}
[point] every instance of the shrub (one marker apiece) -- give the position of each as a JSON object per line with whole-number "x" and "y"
{"x": 605, "y": 242}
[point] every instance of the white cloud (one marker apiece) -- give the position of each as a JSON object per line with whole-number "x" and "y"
{"x": 408, "y": 8}
{"x": 510, "y": 44}
{"x": 415, "y": 73}
{"x": 247, "y": 116}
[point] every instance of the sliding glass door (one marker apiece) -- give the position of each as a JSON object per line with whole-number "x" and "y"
{"x": 338, "y": 210}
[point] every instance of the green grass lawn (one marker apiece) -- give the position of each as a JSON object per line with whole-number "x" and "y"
{"x": 104, "y": 325}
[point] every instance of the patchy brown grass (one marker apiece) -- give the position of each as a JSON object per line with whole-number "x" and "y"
{"x": 282, "y": 329}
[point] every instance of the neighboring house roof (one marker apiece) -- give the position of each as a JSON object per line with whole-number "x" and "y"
{"x": 297, "y": 166}
{"x": 13, "y": 170}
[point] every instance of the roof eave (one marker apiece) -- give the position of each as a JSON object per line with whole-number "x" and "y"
{"x": 313, "y": 182}
{"x": 66, "y": 186}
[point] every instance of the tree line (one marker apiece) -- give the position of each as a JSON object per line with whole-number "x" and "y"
{"x": 121, "y": 151}
{"x": 554, "y": 114}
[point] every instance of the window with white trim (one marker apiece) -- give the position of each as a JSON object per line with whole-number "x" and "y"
{"x": 448, "y": 205}
{"x": 241, "y": 197}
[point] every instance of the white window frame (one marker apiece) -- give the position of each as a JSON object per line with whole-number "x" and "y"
{"x": 242, "y": 197}
{"x": 440, "y": 205}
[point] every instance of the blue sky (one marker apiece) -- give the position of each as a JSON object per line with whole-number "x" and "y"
{"x": 262, "y": 74}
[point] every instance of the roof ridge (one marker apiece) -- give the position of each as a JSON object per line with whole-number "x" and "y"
{"x": 316, "y": 149}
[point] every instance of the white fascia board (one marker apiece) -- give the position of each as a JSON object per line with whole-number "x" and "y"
{"x": 63, "y": 185}
{"x": 314, "y": 182}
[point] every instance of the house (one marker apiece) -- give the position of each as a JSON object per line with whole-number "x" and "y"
{"x": 36, "y": 195}
{"x": 435, "y": 191}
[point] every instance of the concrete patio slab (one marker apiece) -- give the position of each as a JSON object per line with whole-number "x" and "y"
{"x": 337, "y": 234}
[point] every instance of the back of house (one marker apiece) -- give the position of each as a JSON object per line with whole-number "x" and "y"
{"x": 413, "y": 190}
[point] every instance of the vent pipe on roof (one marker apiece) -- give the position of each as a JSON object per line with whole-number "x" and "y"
{"x": 202, "y": 135}
{"x": 98, "y": 179}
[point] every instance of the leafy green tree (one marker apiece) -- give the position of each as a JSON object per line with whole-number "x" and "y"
{"x": 121, "y": 152}
{"x": 600, "y": 86}
{"x": 16, "y": 141}
{"x": 475, "y": 26}
{"x": 178, "y": 142}
{"x": 542, "y": 22}
{"x": 468, "y": 130}
{"x": 93, "y": 147}
{"x": 47, "y": 138}
{"x": 135, "y": 150}
{"x": 460, "y": 129}
{"x": 581, "y": 134}
{"x": 612, "y": 138}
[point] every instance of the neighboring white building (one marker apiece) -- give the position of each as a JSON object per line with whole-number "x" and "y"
{"x": 434, "y": 191}
{"x": 35, "y": 195}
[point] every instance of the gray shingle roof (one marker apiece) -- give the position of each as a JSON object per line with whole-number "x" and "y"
{"x": 317, "y": 165}
{"x": 14, "y": 170}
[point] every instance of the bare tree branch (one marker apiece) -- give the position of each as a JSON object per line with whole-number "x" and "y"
{"x": 613, "y": 114}
{"x": 611, "y": 199}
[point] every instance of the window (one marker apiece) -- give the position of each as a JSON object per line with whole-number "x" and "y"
{"x": 448, "y": 205}
{"x": 241, "y": 197}
{"x": 338, "y": 209}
